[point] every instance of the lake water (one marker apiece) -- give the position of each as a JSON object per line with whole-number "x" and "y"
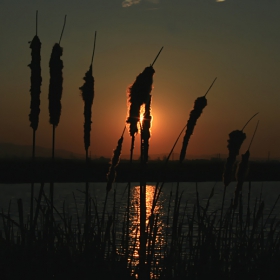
{"x": 72, "y": 194}
{"x": 64, "y": 192}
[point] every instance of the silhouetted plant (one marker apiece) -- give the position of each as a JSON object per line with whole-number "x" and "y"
{"x": 55, "y": 94}
{"x": 235, "y": 141}
{"x": 138, "y": 95}
{"x": 35, "y": 91}
{"x": 87, "y": 91}
{"x": 199, "y": 104}
{"x": 55, "y": 87}
{"x": 241, "y": 171}
{"x": 36, "y": 80}
{"x": 111, "y": 175}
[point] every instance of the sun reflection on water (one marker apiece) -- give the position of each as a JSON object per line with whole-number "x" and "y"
{"x": 135, "y": 225}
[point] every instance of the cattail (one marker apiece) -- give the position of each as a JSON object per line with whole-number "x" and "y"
{"x": 56, "y": 80}
{"x": 87, "y": 91}
{"x": 138, "y": 95}
{"x": 199, "y": 104}
{"x": 87, "y": 94}
{"x": 55, "y": 93}
{"x": 111, "y": 175}
{"x": 55, "y": 87}
{"x": 35, "y": 91}
{"x": 242, "y": 171}
{"x": 145, "y": 132}
{"x": 36, "y": 81}
{"x": 235, "y": 141}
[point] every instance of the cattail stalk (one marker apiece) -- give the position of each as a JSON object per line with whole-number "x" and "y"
{"x": 235, "y": 141}
{"x": 144, "y": 151}
{"x": 36, "y": 81}
{"x": 139, "y": 94}
{"x": 55, "y": 94}
{"x": 87, "y": 92}
{"x": 111, "y": 175}
{"x": 145, "y": 131}
{"x": 199, "y": 104}
{"x": 35, "y": 91}
{"x": 242, "y": 170}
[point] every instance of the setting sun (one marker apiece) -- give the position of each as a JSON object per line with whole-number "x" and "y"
{"x": 142, "y": 112}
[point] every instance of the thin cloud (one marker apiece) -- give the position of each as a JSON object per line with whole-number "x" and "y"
{"x": 128, "y": 3}
{"x": 220, "y": 0}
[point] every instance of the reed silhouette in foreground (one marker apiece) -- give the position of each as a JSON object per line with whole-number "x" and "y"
{"x": 87, "y": 92}
{"x": 199, "y": 104}
{"x": 139, "y": 94}
{"x": 242, "y": 170}
{"x": 236, "y": 138}
{"x": 35, "y": 91}
{"x": 55, "y": 94}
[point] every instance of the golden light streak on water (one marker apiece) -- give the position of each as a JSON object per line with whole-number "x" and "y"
{"x": 135, "y": 223}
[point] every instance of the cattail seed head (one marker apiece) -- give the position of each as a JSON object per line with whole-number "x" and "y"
{"x": 199, "y": 104}
{"x": 138, "y": 94}
{"x": 111, "y": 175}
{"x": 36, "y": 81}
{"x": 235, "y": 141}
{"x": 55, "y": 86}
{"x": 87, "y": 92}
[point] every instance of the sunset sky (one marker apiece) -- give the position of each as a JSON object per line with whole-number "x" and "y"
{"x": 237, "y": 41}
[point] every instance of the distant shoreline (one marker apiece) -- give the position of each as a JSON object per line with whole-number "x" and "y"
{"x": 66, "y": 170}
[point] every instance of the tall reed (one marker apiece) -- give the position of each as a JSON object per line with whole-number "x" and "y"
{"x": 35, "y": 91}
{"x": 242, "y": 170}
{"x": 87, "y": 92}
{"x": 199, "y": 104}
{"x": 55, "y": 94}
{"x": 235, "y": 141}
{"x": 111, "y": 175}
{"x": 138, "y": 95}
